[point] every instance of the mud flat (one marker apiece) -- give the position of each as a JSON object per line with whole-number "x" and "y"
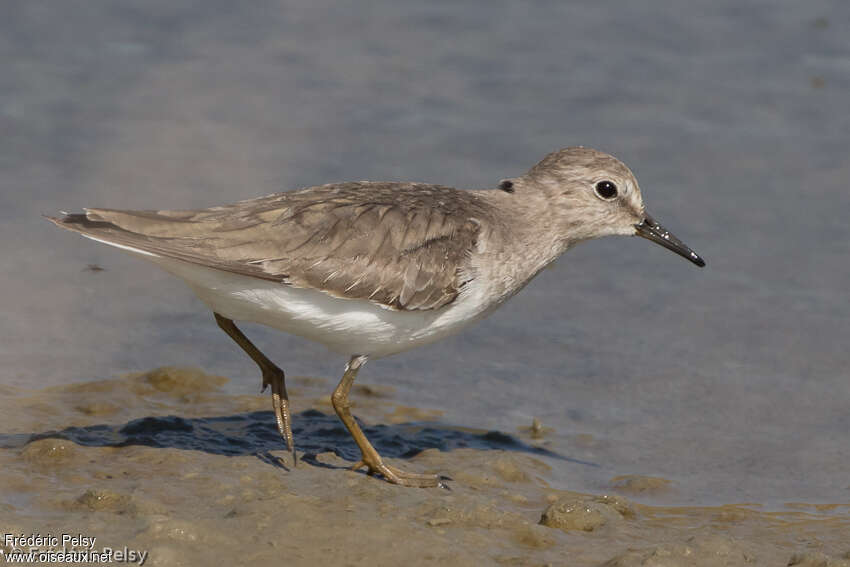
{"x": 164, "y": 462}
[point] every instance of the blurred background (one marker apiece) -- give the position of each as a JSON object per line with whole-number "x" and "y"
{"x": 732, "y": 381}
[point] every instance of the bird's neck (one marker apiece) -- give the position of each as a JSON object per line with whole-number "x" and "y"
{"x": 524, "y": 237}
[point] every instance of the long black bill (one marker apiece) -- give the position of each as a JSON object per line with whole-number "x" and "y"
{"x": 653, "y": 231}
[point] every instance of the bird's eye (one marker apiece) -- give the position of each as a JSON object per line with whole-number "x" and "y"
{"x": 605, "y": 190}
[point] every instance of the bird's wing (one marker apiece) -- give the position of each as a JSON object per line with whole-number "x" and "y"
{"x": 402, "y": 245}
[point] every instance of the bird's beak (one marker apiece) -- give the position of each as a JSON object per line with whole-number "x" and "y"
{"x": 653, "y": 231}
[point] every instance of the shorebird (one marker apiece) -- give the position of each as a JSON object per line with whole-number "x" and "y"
{"x": 371, "y": 269}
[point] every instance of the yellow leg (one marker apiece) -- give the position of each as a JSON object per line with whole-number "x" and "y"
{"x": 272, "y": 376}
{"x": 370, "y": 457}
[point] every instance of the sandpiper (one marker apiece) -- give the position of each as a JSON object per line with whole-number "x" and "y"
{"x": 371, "y": 269}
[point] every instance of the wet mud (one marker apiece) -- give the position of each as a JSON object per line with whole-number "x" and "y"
{"x": 167, "y": 462}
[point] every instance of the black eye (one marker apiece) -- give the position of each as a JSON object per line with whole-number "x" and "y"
{"x": 606, "y": 190}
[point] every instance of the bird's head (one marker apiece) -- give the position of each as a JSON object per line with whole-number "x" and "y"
{"x": 591, "y": 194}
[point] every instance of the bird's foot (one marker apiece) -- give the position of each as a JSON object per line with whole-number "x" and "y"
{"x": 280, "y": 402}
{"x": 398, "y": 476}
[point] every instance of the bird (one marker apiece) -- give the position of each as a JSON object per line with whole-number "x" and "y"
{"x": 371, "y": 269}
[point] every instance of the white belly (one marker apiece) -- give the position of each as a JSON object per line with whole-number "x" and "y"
{"x": 346, "y": 326}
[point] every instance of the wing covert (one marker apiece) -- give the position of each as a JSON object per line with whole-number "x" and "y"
{"x": 402, "y": 245}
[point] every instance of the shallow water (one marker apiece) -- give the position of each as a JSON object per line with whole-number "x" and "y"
{"x": 729, "y": 382}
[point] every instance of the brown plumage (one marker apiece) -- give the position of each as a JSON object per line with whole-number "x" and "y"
{"x": 396, "y": 244}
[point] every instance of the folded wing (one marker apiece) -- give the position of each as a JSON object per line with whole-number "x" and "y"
{"x": 402, "y": 245}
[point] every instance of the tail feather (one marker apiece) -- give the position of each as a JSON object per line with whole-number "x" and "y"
{"x": 102, "y": 231}
{"x": 115, "y": 228}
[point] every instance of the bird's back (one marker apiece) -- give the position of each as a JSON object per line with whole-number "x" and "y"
{"x": 401, "y": 245}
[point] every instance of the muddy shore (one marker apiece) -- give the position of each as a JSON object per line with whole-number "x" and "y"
{"x": 165, "y": 462}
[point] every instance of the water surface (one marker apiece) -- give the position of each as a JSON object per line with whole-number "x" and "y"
{"x": 731, "y": 382}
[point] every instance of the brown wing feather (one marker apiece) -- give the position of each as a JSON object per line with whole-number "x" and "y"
{"x": 397, "y": 244}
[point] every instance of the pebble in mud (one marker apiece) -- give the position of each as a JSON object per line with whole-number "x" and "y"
{"x": 536, "y": 430}
{"x": 104, "y": 501}
{"x": 585, "y": 513}
{"x": 47, "y": 453}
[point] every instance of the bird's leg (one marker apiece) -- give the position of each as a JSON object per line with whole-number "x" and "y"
{"x": 370, "y": 457}
{"x": 272, "y": 376}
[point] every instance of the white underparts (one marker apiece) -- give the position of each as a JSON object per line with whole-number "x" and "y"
{"x": 346, "y": 326}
